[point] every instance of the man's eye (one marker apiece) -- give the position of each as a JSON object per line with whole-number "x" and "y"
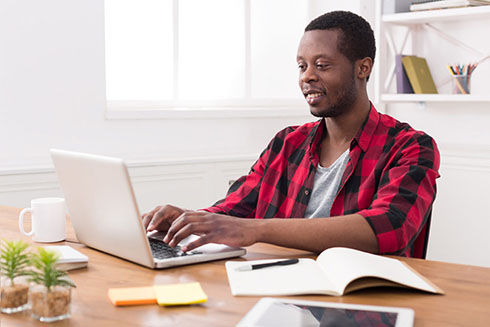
{"x": 301, "y": 67}
{"x": 321, "y": 66}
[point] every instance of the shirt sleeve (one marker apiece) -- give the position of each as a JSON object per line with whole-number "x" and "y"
{"x": 242, "y": 196}
{"x": 405, "y": 195}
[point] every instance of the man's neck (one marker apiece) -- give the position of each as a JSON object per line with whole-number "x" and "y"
{"x": 342, "y": 129}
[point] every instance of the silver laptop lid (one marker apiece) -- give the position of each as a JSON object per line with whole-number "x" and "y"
{"x": 102, "y": 205}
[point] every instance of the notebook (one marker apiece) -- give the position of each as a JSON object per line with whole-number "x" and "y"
{"x": 69, "y": 258}
{"x": 419, "y": 75}
{"x": 336, "y": 271}
{"x": 105, "y": 216}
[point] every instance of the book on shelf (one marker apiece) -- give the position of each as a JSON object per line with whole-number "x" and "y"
{"x": 444, "y": 4}
{"x": 69, "y": 257}
{"x": 419, "y": 75}
{"x": 402, "y": 82}
{"x": 336, "y": 271}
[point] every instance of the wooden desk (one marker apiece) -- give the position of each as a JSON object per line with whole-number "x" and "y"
{"x": 466, "y": 302}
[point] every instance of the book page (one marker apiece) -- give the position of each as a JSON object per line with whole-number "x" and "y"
{"x": 343, "y": 265}
{"x": 304, "y": 277}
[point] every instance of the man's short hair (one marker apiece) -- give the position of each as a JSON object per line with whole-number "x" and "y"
{"x": 357, "y": 38}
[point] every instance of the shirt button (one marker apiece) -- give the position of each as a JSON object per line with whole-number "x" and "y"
{"x": 307, "y": 192}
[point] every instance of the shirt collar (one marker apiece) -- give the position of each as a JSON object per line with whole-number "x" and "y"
{"x": 362, "y": 138}
{"x": 316, "y": 136}
{"x": 367, "y": 130}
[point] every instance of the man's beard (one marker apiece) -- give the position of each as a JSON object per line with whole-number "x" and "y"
{"x": 347, "y": 99}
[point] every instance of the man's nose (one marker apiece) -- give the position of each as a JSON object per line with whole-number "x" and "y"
{"x": 309, "y": 75}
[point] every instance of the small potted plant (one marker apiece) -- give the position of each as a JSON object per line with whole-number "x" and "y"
{"x": 14, "y": 266}
{"x": 51, "y": 294}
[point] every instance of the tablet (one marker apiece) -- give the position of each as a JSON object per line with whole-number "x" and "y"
{"x": 288, "y": 312}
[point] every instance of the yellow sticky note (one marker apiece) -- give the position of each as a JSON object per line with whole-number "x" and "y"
{"x": 180, "y": 294}
{"x": 132, "y": 295}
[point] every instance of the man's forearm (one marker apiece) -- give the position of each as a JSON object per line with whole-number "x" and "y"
{"x": 318, "y": 234}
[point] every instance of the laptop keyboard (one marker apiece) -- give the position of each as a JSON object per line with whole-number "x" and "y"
{"x": 161, "y": 250}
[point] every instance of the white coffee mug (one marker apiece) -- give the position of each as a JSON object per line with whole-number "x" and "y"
{"x": 48, "y": 220}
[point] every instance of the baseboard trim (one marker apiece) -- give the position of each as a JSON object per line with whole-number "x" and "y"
{"x": 136, "y": 163}
{"x": 465, "y": 157}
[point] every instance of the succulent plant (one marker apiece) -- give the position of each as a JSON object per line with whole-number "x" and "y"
{"x": 45, "y": 272}
{"x": 15, "y": 260}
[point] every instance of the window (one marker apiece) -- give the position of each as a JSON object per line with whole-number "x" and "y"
{"x": 202, "y": 53}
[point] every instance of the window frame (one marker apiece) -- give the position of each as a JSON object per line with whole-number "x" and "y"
{"x": 246, "y": 107}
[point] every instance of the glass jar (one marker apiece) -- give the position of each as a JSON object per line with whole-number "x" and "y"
{"x": 52, "y": 305}
{"x": 13, "y": 296}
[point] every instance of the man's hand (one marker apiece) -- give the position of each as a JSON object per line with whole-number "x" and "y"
{"x": 213, "y": 228}
{"x": 313, "y": 235}
{"x": 161, "y": 217}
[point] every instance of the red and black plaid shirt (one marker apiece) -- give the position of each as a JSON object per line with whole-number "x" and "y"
{"x": 390, "y": 180}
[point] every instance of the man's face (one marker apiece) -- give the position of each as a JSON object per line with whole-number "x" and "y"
{"x": 326, "y": 76}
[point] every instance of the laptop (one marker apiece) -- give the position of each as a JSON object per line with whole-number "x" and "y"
{"x": 105, "y": 215}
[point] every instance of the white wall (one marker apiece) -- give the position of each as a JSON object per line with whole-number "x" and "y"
{"x": 187, "y": 183}
{"x": 53, "y": 95}
{"x": 460, "y": 220}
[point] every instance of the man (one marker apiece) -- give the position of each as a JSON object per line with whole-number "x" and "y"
{"x": 372, "y": 176}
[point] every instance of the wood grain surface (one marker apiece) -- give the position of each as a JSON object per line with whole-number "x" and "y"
{"x": 466, "y": 301}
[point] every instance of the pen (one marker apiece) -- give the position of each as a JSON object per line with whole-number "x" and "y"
{"x": 265, "y": 265}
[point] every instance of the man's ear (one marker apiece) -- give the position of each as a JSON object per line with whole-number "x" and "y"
{"x": 364, "y": 67}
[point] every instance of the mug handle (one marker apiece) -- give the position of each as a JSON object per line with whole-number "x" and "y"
{"x": 21, "y": 222}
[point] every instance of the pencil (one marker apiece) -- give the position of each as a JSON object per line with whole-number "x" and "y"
{"x": 458, "y": 82}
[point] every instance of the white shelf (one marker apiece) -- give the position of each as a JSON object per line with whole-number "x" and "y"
{"x": 438, "y": 15}
{"x": 434, "y": 98}
{"x": 412, "y": 21}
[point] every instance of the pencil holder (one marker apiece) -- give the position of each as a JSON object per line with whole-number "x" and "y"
{"x": 461, "y": 84}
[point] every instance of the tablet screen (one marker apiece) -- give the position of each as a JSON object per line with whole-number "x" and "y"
{"x": 287, "y": 314}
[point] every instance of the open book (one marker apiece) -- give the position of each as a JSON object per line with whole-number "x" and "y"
{"x": 336, "y": 271}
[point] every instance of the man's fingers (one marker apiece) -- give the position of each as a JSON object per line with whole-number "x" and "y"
{"x": 146, "y": 220}
{"x": 161, "y": 217}
{"x": 188, "y": 229}
{"x": 212, "y": 228}
{"x": 157, "y": 219}
{"x": 179, "y": 223}
{"x": 148, "y": 216}
{"x": 197, "y": 243}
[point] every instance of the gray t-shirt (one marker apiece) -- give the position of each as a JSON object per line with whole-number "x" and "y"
{"x": 325, "y": 187}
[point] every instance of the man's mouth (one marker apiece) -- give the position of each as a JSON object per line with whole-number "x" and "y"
{"x": 314, "y": 98}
